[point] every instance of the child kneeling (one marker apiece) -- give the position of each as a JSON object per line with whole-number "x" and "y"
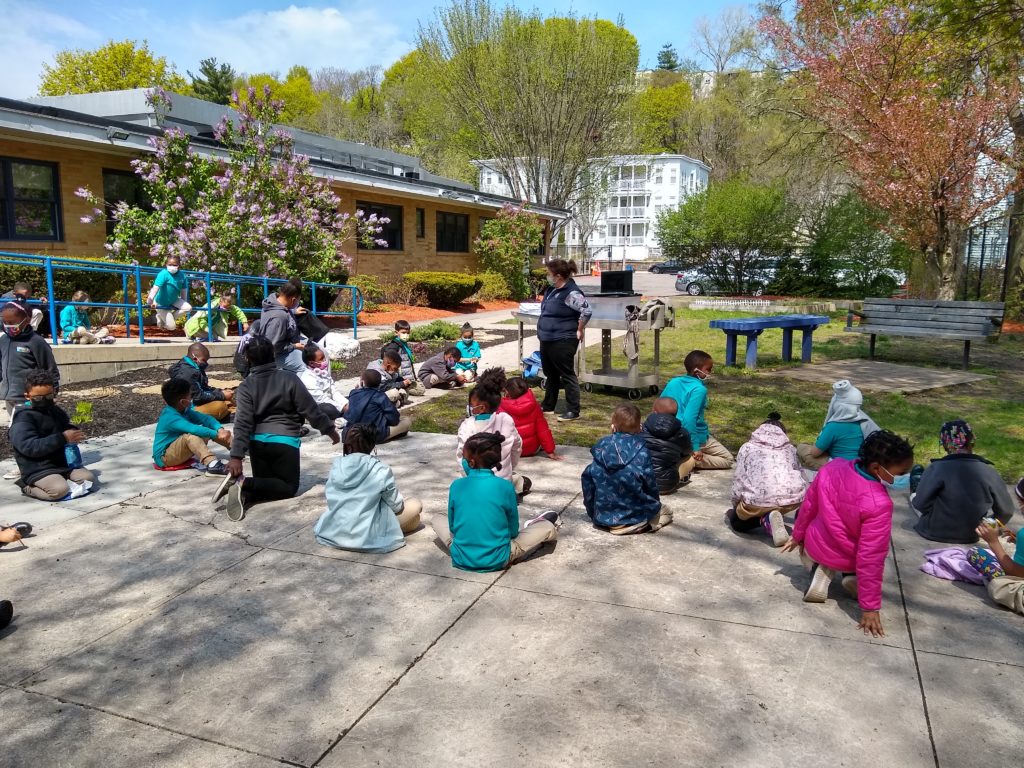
{"x": 365, "y": 511}
{"x": 768, "y": 482}
{"x": 39, "y": 435}
{"x": 481, "y": 530}
{"x": 620, "y": 489}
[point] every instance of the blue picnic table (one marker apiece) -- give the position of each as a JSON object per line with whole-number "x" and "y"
{"x": 753, "y": 327}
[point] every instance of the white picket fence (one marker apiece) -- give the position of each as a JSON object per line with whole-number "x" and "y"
{"x": 734, "y": 305}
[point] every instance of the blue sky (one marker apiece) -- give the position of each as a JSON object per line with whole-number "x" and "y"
{"x": 263, "y": 35}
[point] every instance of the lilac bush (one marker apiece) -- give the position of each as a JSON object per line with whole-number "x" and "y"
{"x": 260, "y": 211}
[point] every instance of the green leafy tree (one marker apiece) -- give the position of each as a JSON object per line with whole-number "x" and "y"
{"x": 668, "y": 58}
{"x": 734, "y": 232}
{"x": 506, "y": 243}
{"x": 662, "y": 115}
{"x": 214, "y": 83}
{"x": 117, "y": 65}
{"x": 295, "y": 92}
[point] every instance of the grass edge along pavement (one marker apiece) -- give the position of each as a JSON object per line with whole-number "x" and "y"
{"x": 739, "y": 399}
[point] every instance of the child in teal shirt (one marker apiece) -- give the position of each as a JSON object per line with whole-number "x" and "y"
{"x": 481, "y": 530}
{"x": 470, "y": 351}
{"x": 182, "y": 432}
{"x": 691, "y": 396}
{"x": 75, "y": 326}
{"x": 167, "y": 296}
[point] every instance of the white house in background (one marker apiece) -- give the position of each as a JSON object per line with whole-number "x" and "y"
{"x": 621, "y": 225}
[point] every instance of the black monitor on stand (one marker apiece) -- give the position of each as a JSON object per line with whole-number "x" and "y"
{"x": 617, "y": 283}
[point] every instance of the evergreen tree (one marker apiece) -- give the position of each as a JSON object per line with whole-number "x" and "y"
{"x": 214, "y": 81}
{"x": 668, "y": 59}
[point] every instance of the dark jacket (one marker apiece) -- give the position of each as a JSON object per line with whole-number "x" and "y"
{"x": 37, "y": 436}
{"x": 20, "y": 354}
{"x": 436, "y": 365}
{"x": 202, "y": 392}
{"x": 619, "y": 487}
{"x": 278, "y": 325}
{"x": 558, "y": 321}
{"x": 408, "y": 369}
{"x": 273, "y": 402}
{"x": 371, "y": 406}
{"x": 955, "y": 492}
{"x": 669, "y": 444}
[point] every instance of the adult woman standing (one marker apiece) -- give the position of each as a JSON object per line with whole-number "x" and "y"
{"x": 564, "y": 312}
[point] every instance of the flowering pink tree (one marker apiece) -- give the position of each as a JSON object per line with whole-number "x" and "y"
{"x": 261, "y": 211}
{"x": 506, "y": 243}
{"x": 923, "y": 136}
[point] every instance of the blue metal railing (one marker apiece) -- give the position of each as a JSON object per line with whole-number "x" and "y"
{"x": 135, "y": 274}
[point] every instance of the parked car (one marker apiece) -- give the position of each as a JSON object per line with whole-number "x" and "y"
{"x": 696, "y": 283}
{"x": 665, "y": 267}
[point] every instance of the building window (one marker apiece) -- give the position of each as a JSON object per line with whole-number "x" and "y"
{"x": 122, "y": 186}
{"x": 452, "y": 232}
{"x": 391, "y": 232}
{"x": 29, "y": 200}
{"x": 421, "y": 223}
{"x": 489, "y": 179}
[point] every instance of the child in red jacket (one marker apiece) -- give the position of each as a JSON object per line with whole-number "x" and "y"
{"x": 522, "y": 406}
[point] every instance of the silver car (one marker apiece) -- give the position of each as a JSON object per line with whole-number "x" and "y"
{"x": 695, "y": 283}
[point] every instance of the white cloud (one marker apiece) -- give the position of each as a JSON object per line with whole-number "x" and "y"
{"x": 269, "y": 41}
{"x": 29, "y": 37}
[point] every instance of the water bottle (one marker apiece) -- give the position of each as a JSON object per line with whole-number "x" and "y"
{"x": 73, "y": 456}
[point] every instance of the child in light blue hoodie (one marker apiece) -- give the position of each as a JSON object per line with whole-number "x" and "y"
{"x": 365, "y": 511}
{"x": 691, "y": 394}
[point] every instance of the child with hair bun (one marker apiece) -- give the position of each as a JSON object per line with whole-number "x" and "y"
{"x": 844, "y": 524}
{"x": 482, "y": 415}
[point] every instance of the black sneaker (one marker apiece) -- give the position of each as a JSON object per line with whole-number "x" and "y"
{"x": 236, "y": 503}
{"x": 550, "y": 515}
{"x": 216, "y": 467}
{"x": 6, "y": 613}
{"x": 569, "y": 416}
{"x": 527, "y": 485}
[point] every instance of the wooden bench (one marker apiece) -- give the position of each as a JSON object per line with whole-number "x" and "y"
{"x": 961, "y": 320}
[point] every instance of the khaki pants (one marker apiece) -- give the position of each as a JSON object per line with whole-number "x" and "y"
{"x": 687, "y": 467}
{"x": 55, "y": 487}
{"x": 409, "y": 517}
{"x": 82, "y": 335}
{"x": 404, "y": 425}
{"x": 433, "y": 380}
{"x": 397, "y": 395}
{"x": 525, "y": 544}
{"x": 219, "y": 409}
{"x": 186, "y": 448}
{"x": 808, "y": 459}
{"x": 1008, "y": 591}
{"x": 716, "y": 456}
{"x": 750, "y": 512}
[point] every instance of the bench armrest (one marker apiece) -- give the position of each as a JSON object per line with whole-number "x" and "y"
{"x": 849, "y": 316}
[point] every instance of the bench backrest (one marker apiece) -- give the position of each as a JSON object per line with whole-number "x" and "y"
{"x": 971, "y": 318}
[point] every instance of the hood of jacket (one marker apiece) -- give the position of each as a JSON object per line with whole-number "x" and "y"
{"x": 271, "y": 304}
{"x": 617, "y": 452}
{"x": 662, "y": 425}
{"x": 521, "y": 406}
{"x": 354, "y": 471}
{"x": 769, "y": 435}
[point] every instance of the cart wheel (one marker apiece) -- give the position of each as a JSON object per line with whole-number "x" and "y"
{"x": 634, "y": 394}
{"x": 588, "y": 387}
{"x": 653, "y": 389}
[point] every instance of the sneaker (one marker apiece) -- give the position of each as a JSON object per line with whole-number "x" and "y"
{"x": 216, "y": 467}
{"x": 198, "y": 466}
{"x": 624, "y": 530}
{"x": 236, "y": 503}
{"x": 550, "y": 515}
{"x": 850, "y": 584}
{"x": 686, "y": 481}
{"x": 569, "y": 416}
{"x": 12, "y": 474}
{"x": 547, "y": 410}
{"x": 527, "y": 485}
{"x": 821, "y": 578}
{"x": 107, "y": 340}
{"x": 663, "y": 518}
{"x": 6, "y": 613}
{"x": 222, "y": 488}
{"x": 776, "y": 526}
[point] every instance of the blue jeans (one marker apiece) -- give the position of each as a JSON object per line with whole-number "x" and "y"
{"x": 291, "y": 361}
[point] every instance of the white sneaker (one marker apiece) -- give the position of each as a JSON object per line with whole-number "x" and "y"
{"x": 549, "y": 515}
{"x": 777, "y": 525}
{"x": 821, "y": 578}
{"x": 12, "y": 474}
{"x": 850, "y": 584}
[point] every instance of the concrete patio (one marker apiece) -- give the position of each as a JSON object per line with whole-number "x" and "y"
{"x": 150, "y": 630}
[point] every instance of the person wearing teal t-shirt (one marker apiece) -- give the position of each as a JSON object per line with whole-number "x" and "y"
{"x": 845, "y": 429}
{"x": 1003, "y": 574}
{"x": 167, "y": 296}
{"x": 470, "y": 351}
{"x": 481, "y": 530}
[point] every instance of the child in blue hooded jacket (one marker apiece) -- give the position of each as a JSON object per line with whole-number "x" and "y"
{"x": 620, "y": 489}
{"x": 365, "y": 511}
{"x": 691, "y": 394}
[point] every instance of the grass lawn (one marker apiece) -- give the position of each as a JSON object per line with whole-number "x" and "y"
{"x": 741, "y": 399}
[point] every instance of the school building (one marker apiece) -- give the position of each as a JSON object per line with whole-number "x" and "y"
{"x": 52, "y": 146}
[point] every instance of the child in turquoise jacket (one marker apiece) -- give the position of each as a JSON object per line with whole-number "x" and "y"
{"x": 182, "y": 432}
{"x": 691, "y": 394}
{"x": 470, "y": 351}
{"x": 75, "y": 326}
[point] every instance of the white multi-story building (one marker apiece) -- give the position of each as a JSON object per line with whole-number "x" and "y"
{"x": 621, "y": 223}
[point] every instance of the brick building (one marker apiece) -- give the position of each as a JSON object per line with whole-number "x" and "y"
{"x": 51, "y": 146}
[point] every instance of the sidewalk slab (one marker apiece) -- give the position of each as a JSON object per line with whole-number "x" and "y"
{"x": 571, "y": 683}
{"x": 875, "y": 376}
{"x": 277, "y": 655}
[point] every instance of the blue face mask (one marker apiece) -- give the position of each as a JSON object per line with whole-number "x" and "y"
{"x": 465, "y": 466}
{"x": 898, "y": 482}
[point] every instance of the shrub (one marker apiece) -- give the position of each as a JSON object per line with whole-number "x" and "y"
{"x": 444, "y": 289}
{"x": 505, "y": 244}
{"x": 538, "y": 281}
{"x": 436, "y": 329}
{"x": 370, "y": 287}
{"x": 494, "y": 288}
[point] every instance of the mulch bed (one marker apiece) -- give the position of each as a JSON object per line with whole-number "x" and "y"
{"x": 116, "y": 406}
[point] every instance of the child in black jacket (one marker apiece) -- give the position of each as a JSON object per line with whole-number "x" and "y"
{"x": 368, "y": 405}
{"x": 21, "y": 350}
{"x": 669, "y": 444}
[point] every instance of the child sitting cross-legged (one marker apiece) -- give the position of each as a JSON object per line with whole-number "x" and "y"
{"x": 768, "y": 482}
{"x": 1003, "y": 574}
{"x": 368, "y": 405}
{"x": 75, "y": 326}
{"x": 691, "y": 395}
{"x": 316, "y": 378}
{"x": 481, "y": 530}
{"x": 845, "y": 521}
{"x": 620, "y": 490}
{"x": 365, "y": 511}
{"x": 182, "y": 432}
{"x": 439, "y": 371}
{"x": 470, "y": 354}
{"x": 482, "y": 416}
{"x": 39, "y": 436}
{"x": 669, "y": 444}
{"x": 533, "y": 428}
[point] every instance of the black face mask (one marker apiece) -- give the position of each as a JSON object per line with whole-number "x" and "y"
{"x": 42, "y": 401}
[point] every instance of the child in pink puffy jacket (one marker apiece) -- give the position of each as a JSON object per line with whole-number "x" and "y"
{"x": 844, "y": 524}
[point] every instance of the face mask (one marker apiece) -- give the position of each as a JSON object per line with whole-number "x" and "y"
{"x": 551, "y": 280}
{"x": 449, "y": 364}
{"x": 468, "y": 339}
{"x": 465, "y": 466}
{"x": 403, "y": 336}
{"x": 42, "y": 401}
{"x": 202, "y": 366}
{"x": 898, "y": 482}
{"x": 322, "y": 366}
{"x": 13, "y": 330}
{"x": 173, "y": 270}
{"x": 702, "y": 375}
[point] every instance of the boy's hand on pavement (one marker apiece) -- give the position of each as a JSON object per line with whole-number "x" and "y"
{"x": 790, "y": 545}
{"x": 556, "y": 456}
{"x": 871, "y": 623}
